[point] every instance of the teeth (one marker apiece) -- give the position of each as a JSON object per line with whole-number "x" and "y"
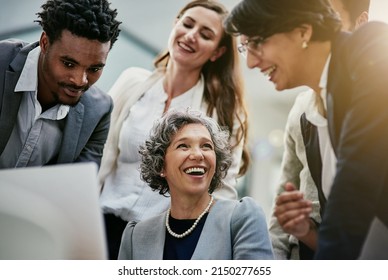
{"x": 198, "y": 170}
{"x": 187, "y": 48}
{"x": 269, "y": 71}
{"x": 75, "y": 90}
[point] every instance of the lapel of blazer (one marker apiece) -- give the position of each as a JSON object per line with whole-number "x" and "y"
{"x": 10, "y": 107}
{"x": 71, "y": 134}
{"x": 133, "y": 84}
{"x": 206, "y": 239}
{"x": 148, "y": 242}
{"x": 10, "y": 99}
{"x": 215, "y": 241}
{"x": 336, "y": 90}
{"x": 311, "y": 142}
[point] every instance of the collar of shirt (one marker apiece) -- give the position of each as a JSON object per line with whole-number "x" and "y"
{"x": 311, "y": 110}
{"x": 28, "y": 82}
{"x": 323, "y": 81}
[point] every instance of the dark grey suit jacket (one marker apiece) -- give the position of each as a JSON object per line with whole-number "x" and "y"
{"x": 86, "y": 126}
{"x": 357, "y": 100}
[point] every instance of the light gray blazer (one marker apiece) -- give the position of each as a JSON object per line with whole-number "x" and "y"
{"x": 234, "y": 230}
{"x": 295, "y": 169}
{"x": 87, "y": 123}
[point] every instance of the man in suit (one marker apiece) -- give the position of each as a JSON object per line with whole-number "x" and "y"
{"x": 50, "y": 112}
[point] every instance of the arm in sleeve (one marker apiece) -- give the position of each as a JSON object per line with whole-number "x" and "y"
{"x": 125, "y": 252}
{"x": 294, "y": 169}
{"x": 361, "y": 173}
{"x": 250, "y": 238}
{"x": 93, "y": 149}
{"x": 289, "y": 172}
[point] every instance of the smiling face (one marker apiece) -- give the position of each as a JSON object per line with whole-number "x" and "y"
{"x": 283, "y": 59}
{"x": 280, "y": 58}
{"x": 190, "y": 161}
{"x": 68, "y": 67}
{"x": 195, "y": 38}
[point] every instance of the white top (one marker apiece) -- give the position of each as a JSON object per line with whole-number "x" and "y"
{"x": 328, "y": 157}
{"x": 295, "y": 168}
{"x": 124, "y": 193}
{"x": 327, "y": 153}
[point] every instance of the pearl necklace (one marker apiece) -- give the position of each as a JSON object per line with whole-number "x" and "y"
{"x": 187, "y": 232}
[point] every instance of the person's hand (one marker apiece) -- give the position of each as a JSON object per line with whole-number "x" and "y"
{"x": 292, "y": 212}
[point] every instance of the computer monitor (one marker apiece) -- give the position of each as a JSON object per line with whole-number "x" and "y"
{"x": 51, "y": 213}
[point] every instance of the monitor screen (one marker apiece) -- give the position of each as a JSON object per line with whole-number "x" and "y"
{"x": 51, "y": 213}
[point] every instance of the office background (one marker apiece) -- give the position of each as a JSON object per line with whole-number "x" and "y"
{"x": 145, "y": 30}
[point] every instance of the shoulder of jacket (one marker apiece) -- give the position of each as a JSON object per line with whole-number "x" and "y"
{"x": 136, "y": 72}
{"x": 14, "y": 53}
{"x": 233, "y": 204}
{"x": 129, "y": 79}
{"x": 95, "y": 94}
{"x": 96, "y": 103}
{"x": 13, "y": 44}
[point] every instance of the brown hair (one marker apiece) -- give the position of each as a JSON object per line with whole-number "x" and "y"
{"x": 267, "y": 17}
{"x": 224, "y": 90}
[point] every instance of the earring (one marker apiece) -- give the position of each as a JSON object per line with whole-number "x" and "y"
{"x": 305, "y": 45}
{"x": 162, "y": 174}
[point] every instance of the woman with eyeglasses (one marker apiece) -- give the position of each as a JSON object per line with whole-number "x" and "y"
{"x": 308, "y": 157}
{"x": 300, "y": 43}
{"x": 199, "y": 70}
{"x": 186, "y": 157}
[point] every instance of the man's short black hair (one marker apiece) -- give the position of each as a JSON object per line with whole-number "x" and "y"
{"x": 92, "y": 19}
{"x": 355, "y": 8}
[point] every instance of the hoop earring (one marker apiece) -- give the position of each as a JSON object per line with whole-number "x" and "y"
{"x": 305, "y": 45}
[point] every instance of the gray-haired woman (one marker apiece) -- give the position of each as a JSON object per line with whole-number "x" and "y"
{"x": 186, "y": 156}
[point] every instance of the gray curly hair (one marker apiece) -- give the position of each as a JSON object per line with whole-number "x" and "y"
{"x": 154, "y": 149}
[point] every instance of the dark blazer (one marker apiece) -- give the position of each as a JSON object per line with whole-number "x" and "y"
{"x": 86, "y": 126}
{"x": 357, "y": 100}
{"x": 313, "y": 155}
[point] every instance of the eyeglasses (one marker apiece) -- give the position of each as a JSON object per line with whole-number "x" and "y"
{"x": 255, "y": 45}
